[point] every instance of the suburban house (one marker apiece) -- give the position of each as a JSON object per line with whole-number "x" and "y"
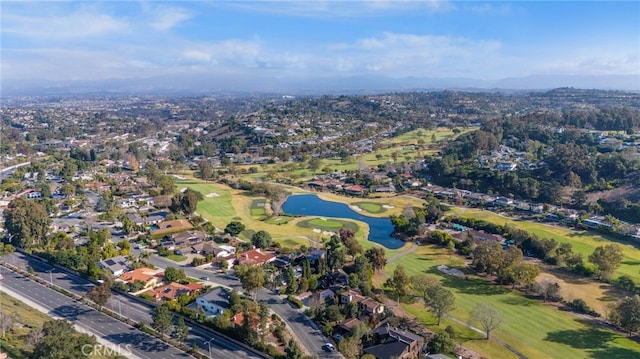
{"x": 319, "y": 298}
{"x": 366, "y": 305}
{"x": 255, "y": 256}
{"x": 150, "y": 277}
{"x": 189, "y": 238}
{"x": 116, "y": 265}
{"x": 395, "y": 343}
{"x": 214, "y": 302}
{"x": 355, "y": 190}
{"x": 479, "y": 236}
{"x": 173, "y": 290}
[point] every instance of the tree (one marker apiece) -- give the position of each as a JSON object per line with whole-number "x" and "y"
{"x": 172, "y": 274}
{"x": 61, "y": 341}
{"x": 399, "y": 282}
{"x": 377, "y": 257}
{"x": 100, "y": 294}
{"x": 162, "y": 319}
{"x": 261, "y": 239}
{"x": 522, "y": 273}
{"x": 348, "y": 237}
{"x": 181, "y": 330}
{"x": 335, "y": 252}
{"x": 350, "y": 347}
{"x": 606, "y": 259}
{"x": 440, "y": 300}
{"x": 293, "y": 351}
{"x": 251, "y": 277}
{"x": 290, "y": 278}
{"x": 626, "y": 314}
{"x": 548, "y": 290}
{"x": 488, "y": 318}
{"x": 188, "y": 202}
{"x": 422, "y": 283}
{"x": 26, "y": 222}
{"x": 234, "y": 228}
{"x": 442, "y": 342}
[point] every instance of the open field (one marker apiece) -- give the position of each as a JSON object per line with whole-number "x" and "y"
{"x": 536, "y": 329}
{"x": 583, "y": 242}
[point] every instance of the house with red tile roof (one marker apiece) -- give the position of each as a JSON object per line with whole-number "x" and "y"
{"x": 255, "y": 256}
{"x": 150, "y": 277}
{"x": 173, "y": 290}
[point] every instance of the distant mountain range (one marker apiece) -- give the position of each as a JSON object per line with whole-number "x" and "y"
{"x": 198, "y": 84}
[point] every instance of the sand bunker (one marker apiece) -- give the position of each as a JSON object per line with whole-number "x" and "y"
{"x": 450, "y": 271}
{"x": 356, "y": 208}
{"x": 387, "y": 206}
{"x": 212, "y": 194}
{"x": 317, "y": 230}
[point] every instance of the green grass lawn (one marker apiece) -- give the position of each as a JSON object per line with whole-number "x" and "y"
{"x": 371, "y": 207}
{"x": 176, "y": 258}
{"x": 534, "y": 328}
{"x": 328, "y": 224}
{"x": 257, "y": 207}
{"x": 323, "y": 222}
{"x": 217, "y": 198}
{"x": 584, "y": 242}
{"x": 279, "y": 220}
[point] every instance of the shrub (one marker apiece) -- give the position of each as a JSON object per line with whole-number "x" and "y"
{"x": 580, "y": 306}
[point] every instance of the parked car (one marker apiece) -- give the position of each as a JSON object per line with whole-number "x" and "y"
{"x": 328, "y": 347}
{"x": 204, "y": 278}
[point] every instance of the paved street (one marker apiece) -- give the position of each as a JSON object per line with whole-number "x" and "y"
{"x": 112, "y": 330}
{"x": 309, "y": 336}
{"x": 220, "y": 347}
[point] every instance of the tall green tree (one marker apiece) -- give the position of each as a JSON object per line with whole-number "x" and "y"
{"x": 440, "y": 300}
{"x": 234, "y": 228}
{"x": 181, "y": 330}
{"x": 606, "y": 259}
{"x": 399, "y": 282}
{"x": 61, "y": 341}
{"x": 626, "y": 314}
{"x": 376, "y": 256}
{"x": 172, "y": 274}
{"x": 251, "y": 277}
{"x": 26, "y": 222}
{"x": 261, "y": 239}
{"x": 162, "y": 320}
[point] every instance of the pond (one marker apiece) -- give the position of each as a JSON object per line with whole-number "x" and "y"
{"x": 380, "y": 229}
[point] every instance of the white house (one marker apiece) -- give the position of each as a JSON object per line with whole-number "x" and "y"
{"x": 214, "y": 302}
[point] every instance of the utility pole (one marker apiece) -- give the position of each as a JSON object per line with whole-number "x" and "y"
{"x": 208, "y": 342}
{"x": 51, "y": 276}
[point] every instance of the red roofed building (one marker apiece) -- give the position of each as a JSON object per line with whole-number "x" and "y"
{"x": 150, "y": 277}
{"x": 173, "y": 290}
{"x": 356, "y": 190}
{"x": 255, "y": 256}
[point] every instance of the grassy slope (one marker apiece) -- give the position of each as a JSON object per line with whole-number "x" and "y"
{"x": 535, "y": 329}
{"x": 28, "y": 318}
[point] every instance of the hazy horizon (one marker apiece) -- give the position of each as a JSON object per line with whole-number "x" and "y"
{"x": 317, "y": 46}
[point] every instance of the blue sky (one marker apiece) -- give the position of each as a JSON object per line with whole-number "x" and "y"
{"x": 306, "y": 40}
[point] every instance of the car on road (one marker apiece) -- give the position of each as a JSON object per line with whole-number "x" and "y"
{"x": 1, "y": 276}
{"x": 328, "y": 347}
{"x": 204, "y": 278}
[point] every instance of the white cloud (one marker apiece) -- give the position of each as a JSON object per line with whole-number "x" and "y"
{"x": 166, "y": 17}
{"x": 79, "y": 24}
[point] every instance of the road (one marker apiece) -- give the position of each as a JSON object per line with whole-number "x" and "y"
{"x": 112, "y": 330}
{"x": 309, "y": 336}
{"x": 136, "y": 311}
